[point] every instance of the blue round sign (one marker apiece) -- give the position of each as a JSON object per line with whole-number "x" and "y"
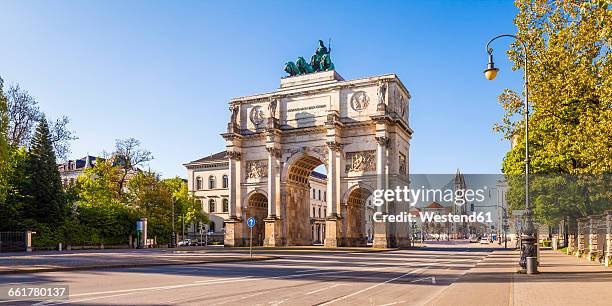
{"x": 251, "y": 222}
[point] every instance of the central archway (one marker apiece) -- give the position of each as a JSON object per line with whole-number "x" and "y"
{"x": 297, "y": 200}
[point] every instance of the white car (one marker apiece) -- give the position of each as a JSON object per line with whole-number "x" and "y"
{"x": 185, "y": 242}
{"x": 484, "y": 241}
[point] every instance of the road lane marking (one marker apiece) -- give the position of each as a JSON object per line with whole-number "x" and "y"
{"x": 303, "y": 271}
{"x": 323, "y": 289}
{"x": 374, "y": 286}
{"x": 230, "y": 280}
{"x": 394, "y": 303}
{"x": 433, "y": 279}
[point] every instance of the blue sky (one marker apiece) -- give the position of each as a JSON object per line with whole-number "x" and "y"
{"x": 163, "y": 71}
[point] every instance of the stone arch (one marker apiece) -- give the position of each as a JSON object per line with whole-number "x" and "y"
{"x": 354, "y": 212}
{"x": 257, "y": 207}
{"x": 365, "y": 186}
{"x": 296, "y": 198}
{"x": 252, "y": 192}
{"x": 310, "y": 156}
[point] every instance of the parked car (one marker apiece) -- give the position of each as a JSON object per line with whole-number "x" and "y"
{"x": 186, "y": 242}
{"x": 484, "y": 241}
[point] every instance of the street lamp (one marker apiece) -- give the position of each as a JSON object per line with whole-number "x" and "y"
{"x": 173, "y": 239}
{"x": 527, "y": 239}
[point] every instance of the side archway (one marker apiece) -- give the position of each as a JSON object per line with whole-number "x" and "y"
{"x": 257, "y": 207}
{"x": 354, "y": 212}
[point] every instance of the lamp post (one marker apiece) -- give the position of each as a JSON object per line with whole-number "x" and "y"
{"x": 529, "y": 253}
{"x": 173, "y": 239}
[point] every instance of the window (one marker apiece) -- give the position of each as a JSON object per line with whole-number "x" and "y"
{"x": 198, "y": 183}
{"x": 212, "y": 183}
{"x": 319, "y": 212}
{"x": 314, "y": 196}
{"x": 225, "y": 181}
{"x": 324, "y": 211}
{"x": 319, "y": 195}
{"x": 225, "y": 205}
{"x": 324, "y": 195}
{"x": 211, "y": 206}
{"x": 313, "y": 212}
{"x": 211, "y": 227}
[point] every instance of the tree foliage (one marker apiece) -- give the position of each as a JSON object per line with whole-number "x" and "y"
{"x": 570, "y": 82}
{"x": 44, "y": 187}
{"x": 570, "y": 92}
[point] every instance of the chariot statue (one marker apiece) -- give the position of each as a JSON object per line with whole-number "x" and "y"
{"x": 320, "y": 61}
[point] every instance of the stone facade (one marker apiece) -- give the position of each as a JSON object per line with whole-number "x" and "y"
{"x": 356, "y": 129}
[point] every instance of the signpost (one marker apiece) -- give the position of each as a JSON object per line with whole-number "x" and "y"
{"x": 251, "y": 224}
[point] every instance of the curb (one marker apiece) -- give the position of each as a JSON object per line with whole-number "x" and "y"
{"x": 120, "y": 266}
{"x": 280, "y": 250}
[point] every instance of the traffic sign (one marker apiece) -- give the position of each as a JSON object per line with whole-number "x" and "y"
{"x": 251, "y": 222}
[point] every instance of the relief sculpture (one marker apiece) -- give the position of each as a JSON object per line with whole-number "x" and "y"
{"x": 257, "y": 168}
{"x": 363, "y": 161}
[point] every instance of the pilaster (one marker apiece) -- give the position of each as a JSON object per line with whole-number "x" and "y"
{"x": 580, "y": 250}
{"x": 608, "y": 250}
{"x": 593, "y": 225}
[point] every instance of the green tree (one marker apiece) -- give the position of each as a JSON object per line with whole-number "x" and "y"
{"x": 4, "y": 147}
{"x": 570, "y": 82}
{"x": 185, "y": 204}
{"x": 570, "y": 85}
{"x": 44, "y": 188}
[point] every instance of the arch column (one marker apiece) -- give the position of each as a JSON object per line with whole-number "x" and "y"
{"x": 273, "y": 231}
{"x": 333, "y": 222}
{"x": 234, "y": 227}
{"x": 381, "y": 229}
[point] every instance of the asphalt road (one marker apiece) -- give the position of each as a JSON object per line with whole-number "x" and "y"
{"x": 403, "y": 277}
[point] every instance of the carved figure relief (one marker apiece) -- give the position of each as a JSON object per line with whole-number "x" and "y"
{"x": 402, "y": 164}
{"x": 234, "y": 114}
{"x": 272, "y": 108}
{"x": 382, "y": 92}
{"x": 360, "y": 101}
{"x": 257, "y": 168}
{"x": 402, "y": 106}
{"x": 361, "y": 161}
{"x": 257, "y": 115}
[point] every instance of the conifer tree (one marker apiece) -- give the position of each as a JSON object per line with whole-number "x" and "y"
{"x": 44, "y": 190}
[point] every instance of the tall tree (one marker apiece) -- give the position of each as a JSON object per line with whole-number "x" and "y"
{"x": 47, "y": 200}
{"x": 569, "y": 47}
{"x": 4, "y": 147}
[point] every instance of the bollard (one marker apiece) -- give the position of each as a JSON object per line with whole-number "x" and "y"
{"x": 532, "y": 265}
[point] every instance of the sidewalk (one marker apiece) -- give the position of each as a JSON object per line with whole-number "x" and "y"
{"x": 105, "y": 259}
{"x": 563, "y": 280}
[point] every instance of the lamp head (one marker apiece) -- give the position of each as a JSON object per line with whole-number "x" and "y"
{"x": 491, "y": 72}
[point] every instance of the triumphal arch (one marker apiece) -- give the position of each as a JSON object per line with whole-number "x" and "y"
{"x": 357, "y": 129}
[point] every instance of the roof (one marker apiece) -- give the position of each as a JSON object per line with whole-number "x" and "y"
{"x": 318, "y": 175}
{"x": 80, "y": 163}
{"x": 435, "y": 205}
{"x": 220, "y": 156}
